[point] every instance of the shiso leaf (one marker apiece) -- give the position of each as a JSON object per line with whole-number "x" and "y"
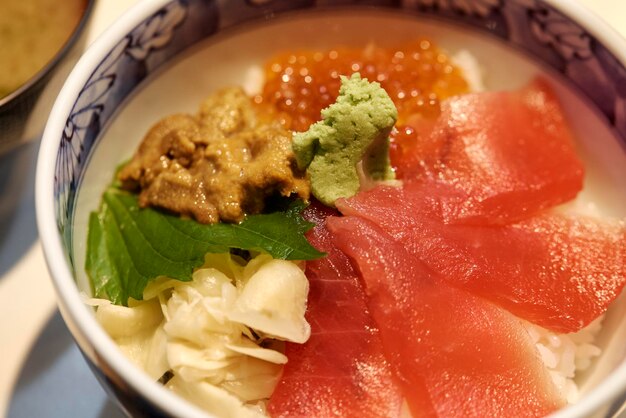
{"x": 128, "y": 246}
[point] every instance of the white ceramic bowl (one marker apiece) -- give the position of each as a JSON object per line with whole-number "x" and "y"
{"x": 165, "y": 56}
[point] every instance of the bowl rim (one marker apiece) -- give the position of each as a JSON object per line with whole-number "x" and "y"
{"x": 72, "y": 304}
{"x": 78, "y": 315}
{"x": 60, "y": 53}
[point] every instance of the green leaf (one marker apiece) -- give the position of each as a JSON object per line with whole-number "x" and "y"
{"x": 127, "y": 246}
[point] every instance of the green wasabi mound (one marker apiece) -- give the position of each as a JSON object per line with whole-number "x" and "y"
{"x": 355, "y": 129}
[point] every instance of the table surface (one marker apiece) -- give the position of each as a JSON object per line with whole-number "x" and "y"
{"x": 42, "y": 372}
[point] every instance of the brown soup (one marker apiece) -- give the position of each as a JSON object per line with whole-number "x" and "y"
{"x": 31, "y": 33}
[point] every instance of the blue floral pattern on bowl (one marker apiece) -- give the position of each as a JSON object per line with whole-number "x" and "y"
{"x": 98, "y": 98}
{"x": 529, "y": 25}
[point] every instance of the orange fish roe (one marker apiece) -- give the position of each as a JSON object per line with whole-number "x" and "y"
{"x": 416, "y": 75}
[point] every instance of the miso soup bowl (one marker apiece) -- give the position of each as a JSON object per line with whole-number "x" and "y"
{"x": 24, "y": 111}
{"x": 165, "y": 56}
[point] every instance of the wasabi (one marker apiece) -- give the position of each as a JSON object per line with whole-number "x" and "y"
{"x": 355, "y": 129}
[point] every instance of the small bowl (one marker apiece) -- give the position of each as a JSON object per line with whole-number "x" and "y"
{"x": 24, "y": 111}
{"x": 165, "y": 56}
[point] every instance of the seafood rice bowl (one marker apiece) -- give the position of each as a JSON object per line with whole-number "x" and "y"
{"x": 424, "y": 218}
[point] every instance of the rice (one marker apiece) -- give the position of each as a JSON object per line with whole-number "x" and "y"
{"x": 471, "y": 69}
{"x": 566, "y": 355}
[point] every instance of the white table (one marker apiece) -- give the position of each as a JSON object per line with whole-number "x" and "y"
{"x": 41, "y": 372}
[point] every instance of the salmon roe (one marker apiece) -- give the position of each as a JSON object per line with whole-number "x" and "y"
{"x": 416, "y": 75}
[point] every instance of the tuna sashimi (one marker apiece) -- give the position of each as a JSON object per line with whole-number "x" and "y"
{"x": 460, "y": 353}
{"x": 341, "y": 370}
{"x": 555, "y": 270}
{"x": 509, "y": 154}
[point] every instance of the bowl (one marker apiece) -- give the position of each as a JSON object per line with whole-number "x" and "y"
{"x": 24, "y": 110}
{"x": 164, "y": 57}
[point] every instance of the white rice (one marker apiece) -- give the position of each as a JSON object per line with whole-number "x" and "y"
{"x": 472, "y": 71}
{"x": 566, "y": 355}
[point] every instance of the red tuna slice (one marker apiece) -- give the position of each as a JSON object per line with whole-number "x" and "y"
{"x": 510, "y": 153}
{"x": 341, "y": 370}
{"x": 474, "y": 358}
{"x": 555, "y": 270}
